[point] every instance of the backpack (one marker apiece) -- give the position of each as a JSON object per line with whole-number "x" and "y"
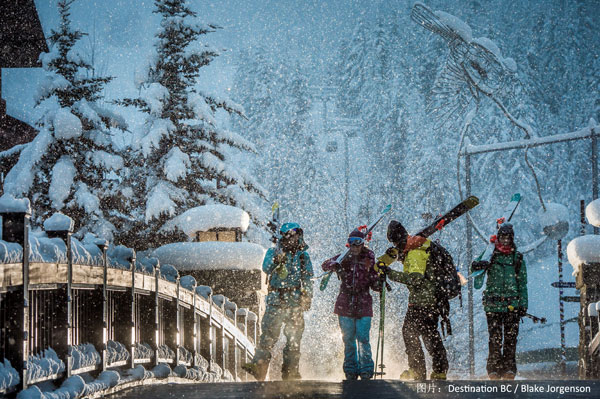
{"x": 440, "y": 269}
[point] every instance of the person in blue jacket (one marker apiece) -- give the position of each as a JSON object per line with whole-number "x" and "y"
{"x": 289, "y": 273}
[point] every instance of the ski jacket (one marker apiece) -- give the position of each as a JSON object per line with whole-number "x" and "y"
{"x": 421, "y": 289}
{"x": 506, "y": 283}
{"x": 358, "y": 276}
{"x": 289, "y": 290}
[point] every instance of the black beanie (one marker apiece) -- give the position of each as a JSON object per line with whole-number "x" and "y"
{"x": 397, "y": 234}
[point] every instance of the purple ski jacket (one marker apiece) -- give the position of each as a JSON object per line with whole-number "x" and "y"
{"x": 357, "y": 276}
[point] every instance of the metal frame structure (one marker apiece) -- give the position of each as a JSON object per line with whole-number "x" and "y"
{"x": 591, "y": 133}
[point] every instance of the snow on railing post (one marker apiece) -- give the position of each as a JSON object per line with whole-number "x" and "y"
{"x": 177, "y": 323}
{"x": 195, "y": 326}
{"x": 242, "y": 314}
{"x": 155, "y": 342}
{"x": 103, "y": 245}
{"x": 16, "y": 215}
{"x": 132, "y": 341}
{"x": 61, "y": 226}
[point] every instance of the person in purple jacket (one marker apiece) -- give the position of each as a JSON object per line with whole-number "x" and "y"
{"x": 354, "y": 305}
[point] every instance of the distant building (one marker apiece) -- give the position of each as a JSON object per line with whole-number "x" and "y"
{"x": 21, "y": 43}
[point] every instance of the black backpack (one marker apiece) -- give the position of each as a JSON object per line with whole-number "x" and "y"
{"x": 441, "y": 270}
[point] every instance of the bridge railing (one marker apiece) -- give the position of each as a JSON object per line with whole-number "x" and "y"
{"x": 65, "y": 318}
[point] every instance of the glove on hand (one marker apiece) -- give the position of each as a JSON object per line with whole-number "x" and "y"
{"x": 381, "y": 268}
{"x": 305, "y": 301}
{"x": 480, "y": 264}
{"x": 280, "y": 258}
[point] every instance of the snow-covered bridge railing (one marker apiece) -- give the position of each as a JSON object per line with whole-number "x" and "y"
{"x": 69, "y": 307}
{"x": 584, "y": 256}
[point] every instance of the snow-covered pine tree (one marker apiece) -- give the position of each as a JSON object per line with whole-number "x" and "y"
{"x": 182, "y": 158}
{"x": 71, "y": 165}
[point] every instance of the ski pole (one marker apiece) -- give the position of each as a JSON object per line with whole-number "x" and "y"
{"x": 536, "y": 319}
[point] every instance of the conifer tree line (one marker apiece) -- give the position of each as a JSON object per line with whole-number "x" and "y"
{"x": 181, "y": 158}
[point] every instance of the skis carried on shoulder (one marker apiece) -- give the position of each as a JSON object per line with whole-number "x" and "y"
{"x": 342, "y": 256}
{"x": 437, "y": 225}
{"x": 454, "y": 213}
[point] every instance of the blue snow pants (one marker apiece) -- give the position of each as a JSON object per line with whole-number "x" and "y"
{"x": 358, "y": 359}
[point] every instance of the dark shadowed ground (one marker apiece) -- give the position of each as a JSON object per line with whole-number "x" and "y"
{"x": 379, "y": 389}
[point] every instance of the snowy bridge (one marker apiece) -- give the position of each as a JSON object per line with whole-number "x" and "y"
{"x": 96, "y": 320}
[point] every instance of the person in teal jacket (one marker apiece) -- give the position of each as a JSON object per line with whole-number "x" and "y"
{"x": 504, "y": 302}
{"x": 289, "y": 271}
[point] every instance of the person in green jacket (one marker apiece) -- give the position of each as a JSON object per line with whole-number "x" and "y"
{"x": 504, "y": 302}
{"x": 421, "y": 320}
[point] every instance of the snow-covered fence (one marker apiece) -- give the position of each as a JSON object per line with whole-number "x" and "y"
{"x": 584, "y": 255}
{"x": 98, "y": 307}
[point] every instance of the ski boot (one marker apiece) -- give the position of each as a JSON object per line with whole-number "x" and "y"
{"x": 437, "y": 376}
{"x": 411, "y": 375}
{"x": 257, "y": 370}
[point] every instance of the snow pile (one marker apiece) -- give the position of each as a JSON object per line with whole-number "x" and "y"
{"x": 164, "y": 352}
{"x": 188, "y": 282}
{"x": 227, "y": 376}
{"x": 201, "y": 361}
{"x": 144, "y": 351}
{"x": 194, "y": 373}
{"x": 9, "y": 377}
{"x": 185, "y": 355}
{"x": 120, "y": 257}
{"x": 204, "y": 291}
{"x": 47, "y": 250}
{"x": 216, "y": 370}
{"x": 592, "y": 213}
{"x": 9, "y": 204}
{"x": 207, "y": 217}
{"x": 169, "y": 273}
{"x": 59, "y": 222}
{"x": 583, "y": 250}
{"x": 220, "y": 300}
{"x": 44, "y": 364}
{"x": 66, "y": 125}
{"x": 116, "y": 352}
{"x": 74, "y": 387}
{"x": 107, "y": 379}
{"x": 162, "y": 370}
{"x": 212, "y": 255}
{"x": 63, "y": 174}
{"x": 84, "y": 355}
{"x": 10, "y": 252}
{"x": 554, "y": 220}
{"x": 146, "y": 265}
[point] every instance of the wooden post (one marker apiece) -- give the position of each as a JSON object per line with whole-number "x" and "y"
{"x": 15, "y": 228}
{"x": 178, "y": 323}
{"x": 132, "y": 342}
{"x": 104, "y": 248}
{"x": 156, "y": 342}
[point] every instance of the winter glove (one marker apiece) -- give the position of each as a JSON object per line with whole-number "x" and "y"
{"x": 381, "y": 268}
{"x": 279, "y": 258}
{"x": 480, "y": 265}
{"x": 522, "y": 312}
{"x": 305, "y": 301}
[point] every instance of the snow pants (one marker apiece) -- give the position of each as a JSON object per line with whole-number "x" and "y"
{"x": 422, "y": 322}
{"x": 503, "y": 329}
{"x": 292, "y": 318}
{"x": 358, "y": 359}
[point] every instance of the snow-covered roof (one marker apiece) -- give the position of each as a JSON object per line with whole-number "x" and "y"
{"x": 206, "y": 217}
{"x": 592, "y": 213}
{"x": 584, "y": 249}
{"x": 212, "y": 255}
{"x": 59, "y": 222}
{"x": 9, "y": 204}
